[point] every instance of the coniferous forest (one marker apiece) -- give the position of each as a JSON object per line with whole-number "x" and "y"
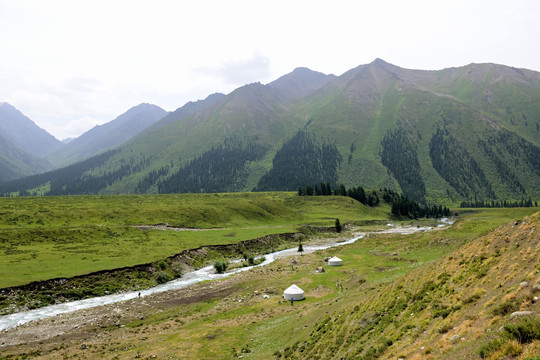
{"x": 398, "y": 153}
{"x": 68, "y": 180}
{"x": 457, "y": 166}
{"x": 220, "y": 169}
{"x": 301, "y": 161}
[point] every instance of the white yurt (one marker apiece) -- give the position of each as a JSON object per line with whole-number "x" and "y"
{"x": 335, "y": 261}
{"x": 293, "y": 292}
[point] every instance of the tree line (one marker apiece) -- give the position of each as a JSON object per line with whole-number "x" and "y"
{"x": 324, "y": 189}
{"x": 498, "y": 204}
{"x": 401, "y": 205}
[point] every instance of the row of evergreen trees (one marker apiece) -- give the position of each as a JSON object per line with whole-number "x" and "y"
{"x": 65, "y": 180}
{"x": 357, "y": 193}
{"x": 402, "y": 206}
{"x": 497, "y": 204}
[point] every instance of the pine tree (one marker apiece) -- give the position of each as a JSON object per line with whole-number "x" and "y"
{"x": 338, "y": 226}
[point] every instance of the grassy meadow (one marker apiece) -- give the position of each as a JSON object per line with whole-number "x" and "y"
{"x": 377, "y": 271}
{"x": 50, "y": 237}
{"x": 356, "y": 306}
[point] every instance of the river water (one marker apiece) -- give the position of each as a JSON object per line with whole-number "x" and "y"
{"x": 203, "y": 274}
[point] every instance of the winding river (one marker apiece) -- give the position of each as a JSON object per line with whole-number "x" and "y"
{"x": 203, "y": 274}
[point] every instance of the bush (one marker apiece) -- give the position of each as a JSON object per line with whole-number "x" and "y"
{"x": 220, "y": 266}
{"x": 162, "y": 265}
{"x": 163, "y": 277}
{"x": 473, "y": 298}
{"x": 506, "y": 308}
{"x": 177, "y": 270}
{"x": 490, "y": 347}
{"x": 525, "y": 331}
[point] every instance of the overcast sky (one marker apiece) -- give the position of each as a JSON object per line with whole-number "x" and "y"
{"x": 70, "y": 65}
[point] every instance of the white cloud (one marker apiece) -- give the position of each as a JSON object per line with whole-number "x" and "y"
{"x": 73, "y": 127}
{"x": 239, "y": 72}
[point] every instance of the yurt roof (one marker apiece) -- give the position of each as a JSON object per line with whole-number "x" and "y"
{"x": 335, "y": 258}
{"x": 293, "y": 289}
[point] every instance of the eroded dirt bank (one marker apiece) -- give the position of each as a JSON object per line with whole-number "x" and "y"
{"x": 54, "y": 291}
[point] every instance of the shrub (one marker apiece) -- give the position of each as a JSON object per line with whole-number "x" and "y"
{"x": 506, "y": 308}
{"x": 444, "y": 329}
{"x": 163, "y": 277}
{"x": 177, "y": 270}
{"x": 162, "y": 265}
{"x": 525, "y": 331}
{"x": 220, "y": 266}
{"x": 490, "y": 347}
{"x": 473, "y": 298}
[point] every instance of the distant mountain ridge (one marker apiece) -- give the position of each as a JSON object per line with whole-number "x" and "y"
{"x": 23, "y": 132}
{"x": 451, "y": 134}
{"x": 301, "y": 82}
{"x": 22, "y": 145}
{"x": 107, "y": 136}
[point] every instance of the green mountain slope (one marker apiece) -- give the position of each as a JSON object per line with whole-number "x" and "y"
{"x": 388, "y": 121}
{"x": 459, "y": 133}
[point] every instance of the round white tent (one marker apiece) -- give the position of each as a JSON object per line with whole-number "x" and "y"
{"x": 335, "y": 261}
{"x": 293, "y": 292}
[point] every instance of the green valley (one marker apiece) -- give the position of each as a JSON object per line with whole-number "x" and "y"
{"x": 432, "y": 294}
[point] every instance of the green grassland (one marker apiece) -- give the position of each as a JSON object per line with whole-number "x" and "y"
{"x": 49, "y": 237}
{"x": 223, "y": 328}
{"x": 373, "y": 276}
{"x": 396, "y": 296}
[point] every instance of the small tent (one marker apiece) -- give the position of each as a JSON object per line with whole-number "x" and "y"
{"x": 335, "y": 261}
{"x": 293, "y": 292}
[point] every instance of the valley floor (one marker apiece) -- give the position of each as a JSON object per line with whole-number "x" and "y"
{"x": 231, "y": 319}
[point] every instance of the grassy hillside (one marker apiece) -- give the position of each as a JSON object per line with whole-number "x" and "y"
{"x": 459, "y": 306}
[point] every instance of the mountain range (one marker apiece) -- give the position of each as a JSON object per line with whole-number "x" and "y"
{"x": 26, "y": 149}
{"x": 459, "y": 133}
{"x": 109, "y": 135}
